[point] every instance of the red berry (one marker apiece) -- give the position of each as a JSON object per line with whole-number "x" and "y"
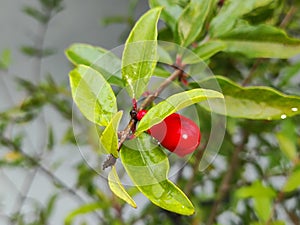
{"x": 178, "y": 134}
{"x": 141, "y": 114}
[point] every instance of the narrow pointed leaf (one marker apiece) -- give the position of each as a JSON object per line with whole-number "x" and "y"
{"x": 258, "y": 103}
{"x": 231, "y": 12}
{"x": 109, "y": 137}
{"x": 118, "y": 189}
{"x": 293, "y": 181}
{"x": 140, "y": 53}
{"x": 170, "y": 13}
{"x": 287, "y": 139}
{"x": 93, "y": 95}
{"x": 263, "y": 208}
{"x": 105, "y": 62}
{"x": 261, "y": 41}
{"x": 204, "y": 52}
{"x": 172, "y": 104}
{"x": 192, "y": 20}
{"x": 148, "y": 167}
{"x": 83, "y": 209}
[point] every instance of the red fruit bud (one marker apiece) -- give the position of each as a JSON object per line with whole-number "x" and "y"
{"x": 178, "y": 134}
{"x": 141, "y": 114}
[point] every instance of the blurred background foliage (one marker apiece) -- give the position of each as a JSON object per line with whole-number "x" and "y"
{"x": 254, "y": 179}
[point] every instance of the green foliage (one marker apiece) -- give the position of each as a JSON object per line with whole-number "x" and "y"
{"x": 5, "y": 60}
{"x": 263, "y": 41}
{"x": 99, "y": 59}
{"x": 118, "y": 189}
{"x": 109, "y": 137}
{"x": 140, "y": 53}
{"x": 173, "y": 104}
{"x": 261, "y": 137}
{"x": 148, "y": 168}
{"x": 93, "y": 95}
{"x": 192, "y": 21}
{"x": 253, "y": 102}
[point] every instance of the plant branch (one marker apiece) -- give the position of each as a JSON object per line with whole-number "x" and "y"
{"x": 111, "y": 160}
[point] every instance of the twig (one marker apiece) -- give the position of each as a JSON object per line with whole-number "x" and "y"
{"x": 226, "y": 182}
{"x": 19, "y": 203}
{"x": 111, "y": 160}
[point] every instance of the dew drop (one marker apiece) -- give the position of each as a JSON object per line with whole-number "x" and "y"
{"x": 294, "y": 109}
{"x": 283, "y": 116}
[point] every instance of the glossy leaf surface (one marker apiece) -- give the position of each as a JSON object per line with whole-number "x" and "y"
{"x": 231, "y": 12}
{"x": 148, "y": 167}
{"x": 260, "y": 103}
{"x": 117, "y": 188}
{"x": 261, "y": 41}
{"x": 93, "y": 95}
{"x": 173, "y": 104}
{"x": 192, "y": 20}
{"x": 109, "y": 137}
{"x": 105, "y": 62}
{"x": 140, "y": 53}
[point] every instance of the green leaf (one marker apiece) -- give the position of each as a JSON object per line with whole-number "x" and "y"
{"x": 117, "y": 188}
{"x": 170, "y": 13}
{"x": 255, "y": 190}
{"x": 140, "y": 53}
{"x": 192, "y": 20}
{"x": 287, "y": 140}
{"x": 5, "y": 59}
{"x": 293, "y": 181}
{"x": 105, "y": 62}
{"x": 231, "y": 12}
{"x": 36, "y": 52}
{"x": 263, "y": 208}
{"x": 109, "y": 137}
{"x": 204, "y": 52}
{"x": 172, "y": 104}
{"x": 148, "y": 167}
{"x": 84, "y": 209}
{"x": 93, "y": 95}
{"x": 277, "y": 222}
{"x": 36, "y": 14}
{"x": 287, "y": 73}
{"x": 259, "y": 103}
{"x": 262, "y": 41}
{"x": 51, "y": 205}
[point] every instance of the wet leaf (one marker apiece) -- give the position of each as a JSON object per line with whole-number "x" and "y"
{"x": 117, "y": 188}
{"x": 148, "y": 167}
{"x": 140, "y": 53}
{"x": 257, "y": 102}
{"x": 173, "y": 104}
{"x": 109, "y": 137}
{"x": 93, "y": 95}
{"x": 263, "y": 41}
